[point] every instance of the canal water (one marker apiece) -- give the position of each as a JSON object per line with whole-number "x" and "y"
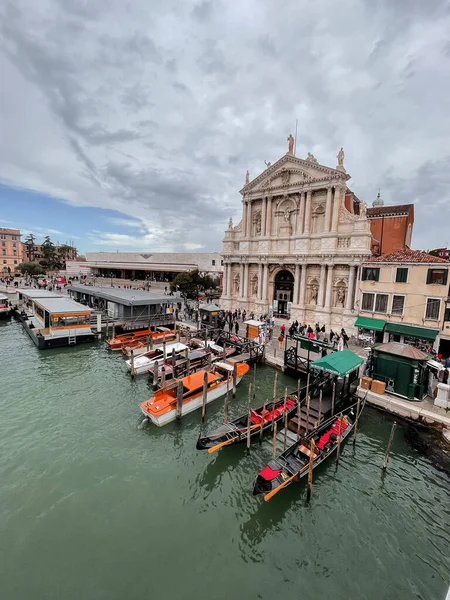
{"x": 94, "y": 507}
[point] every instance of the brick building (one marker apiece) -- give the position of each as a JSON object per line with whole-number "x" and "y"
{"x": 11, "y": 250}
{"x": 391, "y": 227}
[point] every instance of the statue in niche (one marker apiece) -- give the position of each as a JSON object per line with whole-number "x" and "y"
{"x": 258, "y": 222}
{"x": 255, "y": 285}
{"x": 267, "y": 163}
{"x": 247, "y": 177}
{"x": 230, "y": 224}
{"x": 287, "y": 215}
{"x": 290, "y": 144}
{"x": 341, "y": 296}
{"x": 363, "y": 210}
{"x": 314, "y": 294}
{"x": 340, "y": 157}
{"x": 237, "y": 284}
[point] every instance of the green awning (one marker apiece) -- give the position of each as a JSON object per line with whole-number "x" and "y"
{"x": 412, "y": 331}
{"x": 338, "y": 363}
{"x": 372, "y": 324}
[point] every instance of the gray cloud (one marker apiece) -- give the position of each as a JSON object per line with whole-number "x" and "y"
{"x": 158, "y": 113}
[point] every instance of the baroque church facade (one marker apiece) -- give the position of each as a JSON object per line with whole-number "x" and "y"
{"x": 299, "y": 246}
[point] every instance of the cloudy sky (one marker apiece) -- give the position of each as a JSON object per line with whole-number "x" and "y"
{"x": 130, "y": 125}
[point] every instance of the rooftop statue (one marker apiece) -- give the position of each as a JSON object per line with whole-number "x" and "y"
{"x": 291, "y": 144}
{"x": 340, "y": 157}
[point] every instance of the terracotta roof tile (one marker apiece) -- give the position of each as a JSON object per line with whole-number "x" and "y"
{"x": 385, "y": 211}
{"x": 409, "y": 256}
{"x": 402, "y": 350}
{"x": 13, "y": 231}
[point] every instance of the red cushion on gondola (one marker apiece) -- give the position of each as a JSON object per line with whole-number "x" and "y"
{"x": 255, "y": 417}
{"x": 268, "y": 474}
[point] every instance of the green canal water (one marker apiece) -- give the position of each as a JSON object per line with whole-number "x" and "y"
{"x": 92, "y": 506}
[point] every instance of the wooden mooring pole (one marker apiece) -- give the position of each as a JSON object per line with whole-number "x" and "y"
{"x": 163, "y": 377}
{"x": 179, "y": 400}
{"x": 261, "y": 431}
{"x": 333, "y": 395}
{"x": 249, "y": 413}
{"x": 285, "y": 419}
{"x": 274, "y": 440}
{"x": 320, "y": 405}
{"x": 299, "y": 409}
{"x": 132, "y": 364}
{"x": 388, "y": 449}
{"x": 225, "y": 408}
{"x": 338, "y": 452}
{"x": 308, "y": 401}
{"x": 254, "y": 380}
{"x": 234, "y": 379}
{"x": 155, "y": 373}
{"x": 205, "y": 395}
{"x": 312, "y": 448}
{"x": 356, "y": 421}
{"x": 164, "y": 348}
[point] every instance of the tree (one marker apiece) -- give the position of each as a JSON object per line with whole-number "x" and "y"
{"x": 65, "y": 252}
{"x": 49, "y": 259}
{"x": 191, "y": 283}
{"x": 31, "y": 268}
{"x": 30, "y": 246}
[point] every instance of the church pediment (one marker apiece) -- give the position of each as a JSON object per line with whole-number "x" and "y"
{"x": 291, "y": 171}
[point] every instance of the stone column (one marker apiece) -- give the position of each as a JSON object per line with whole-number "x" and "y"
{"x": 351, "y": 285}
{"x": 269, "y": 217}
{"x": 241, "y": 281}
{"x": 263, "y": 216}
{"x": 336, "y": 208}
{"x": 249, "y": 219}
{"x": 308, "y": 212}
{"x": 329, "y": 286}
{"x": 321, "y": 286}
{"x": 265, "y": 281}
{"x": 229, "y": 280}
{"x": 301, "y": 300}
{"x": 328, "y": 209}
{"x": 225, "y": 279}
{"x": 301, "y": 213}
{"x": 296, "y": 284}
{"x": 246, "y": 265}
{"x": 260, "y": 281}
{"x": 244, "y": 218}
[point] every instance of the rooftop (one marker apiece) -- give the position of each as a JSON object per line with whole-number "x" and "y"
{"x": 36, "y": 293}
{"x": 409, "y": 256}
{"x": 62, "y": 305}
{"x": 12, "y": 231}
{"x": 402, "y": 350}
{"x": 124, "y": 296}
{"x": 389, "y": 211}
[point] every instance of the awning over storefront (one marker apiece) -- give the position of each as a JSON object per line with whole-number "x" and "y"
{"x": 338, "y": 363}
{"x": 372, "y": 324}
{"x": 412, "y": 331}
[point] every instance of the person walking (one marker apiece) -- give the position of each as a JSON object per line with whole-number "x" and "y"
{"x": 236, "y": 327}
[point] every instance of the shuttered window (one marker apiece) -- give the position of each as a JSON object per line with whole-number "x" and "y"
{"x": 398, "y": 302}
{"x": 433, "y": 309}
{"x": 367, "y": 302}
{"x": 381, "y": 303}
{"x": 401, "y": 275}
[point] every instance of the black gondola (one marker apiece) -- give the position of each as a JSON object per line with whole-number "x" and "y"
{"x": 237, "y": 430}
{"x": 292, "y": 464}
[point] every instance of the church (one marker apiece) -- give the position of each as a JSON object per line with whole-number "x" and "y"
{"x": 299, "y": 245}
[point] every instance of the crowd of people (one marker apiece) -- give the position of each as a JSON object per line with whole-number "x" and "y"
{"x": 339, "y": 341}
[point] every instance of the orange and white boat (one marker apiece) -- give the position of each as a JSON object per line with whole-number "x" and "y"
{"x": 130, "y": 339}
{"x": 162, "y": 407}
{"x": 139, "y": 345}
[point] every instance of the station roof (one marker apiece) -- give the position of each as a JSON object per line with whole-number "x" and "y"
{"x": 37, "y": 293}
{"x": 405, "y": 350}
{"x": 338, "y": 363}
{"x": 62, "y": 305}
{"x": 123, "y": 296}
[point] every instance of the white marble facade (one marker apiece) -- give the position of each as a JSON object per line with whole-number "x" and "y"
{"x": 297, "y": 244}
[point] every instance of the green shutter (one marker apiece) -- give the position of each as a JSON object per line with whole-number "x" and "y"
{"x": 401, "y": 275}
{"x": 445, "y": 277}
{"x": 429, "y": 275}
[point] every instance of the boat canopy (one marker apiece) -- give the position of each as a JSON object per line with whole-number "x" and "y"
{"x": 195, "y": 381}
{"x": 338, "y": 363}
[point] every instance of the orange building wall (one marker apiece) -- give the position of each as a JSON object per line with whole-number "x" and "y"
{"x": 390, "y": 232}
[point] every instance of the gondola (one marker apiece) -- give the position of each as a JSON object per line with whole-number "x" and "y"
{"x": 261, "y": 419}
{"x": 292, "y": 464}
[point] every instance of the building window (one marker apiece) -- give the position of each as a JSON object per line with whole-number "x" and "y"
{"x": 15, "y": 262}
{"x": 437, "y": 276}
{"x": 221, "y": 263}
{"x": 433, "y": 309}
{"x": 3, "y": 251}
{"x": 367, "y": 302}
{"x": 14, "y": 237}
{"x": 370, "y": 274}
{"x": 402, "y": 275}
{"x": 381, "y": 303}
{"x": 398, "y": 303}
{"x": 15, "y": 252}
{"x": 447, "y": 314}
{"x": 213, "y": 263}
{"x": 14, "y": 244}
{"x": 4, "y": 262}
{"x": 2, "y": 236}
{"x": 3, "y": 243}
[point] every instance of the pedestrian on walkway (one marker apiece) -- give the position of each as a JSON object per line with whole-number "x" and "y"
{"x": 236, "y": 327}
